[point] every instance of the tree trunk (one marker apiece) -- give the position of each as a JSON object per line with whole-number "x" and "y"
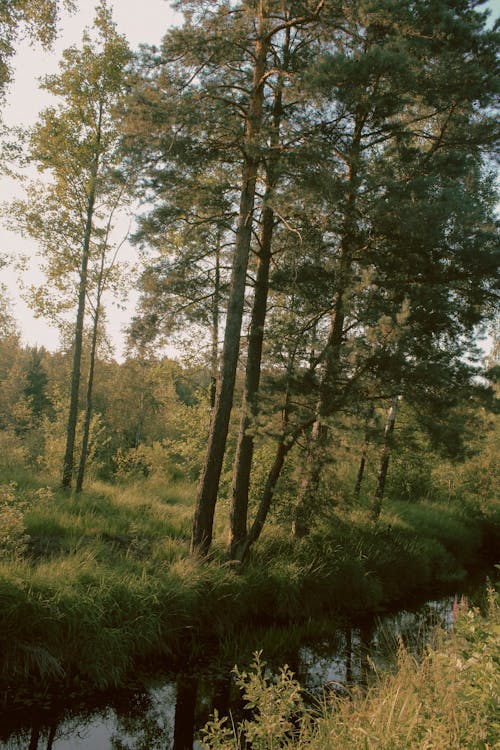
{"x": 361, "y": 472}
{"x": 77, "y": 354}
{"x": 238, "y": 514}
{"x": 384, "y": 461}
{"x": 88, "y": 405}
{"x": 209, "y": 481}
{"x": 364, "y": 452}
{"x": 67, "y": 475}
{"x": 214, "y": 357}
{"x": 328, "y": 400}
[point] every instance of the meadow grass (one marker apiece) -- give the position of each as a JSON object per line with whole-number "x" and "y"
{"x": 105, "y": 581}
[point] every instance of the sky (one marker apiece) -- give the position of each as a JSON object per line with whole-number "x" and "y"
{"x": 140, "y": 21}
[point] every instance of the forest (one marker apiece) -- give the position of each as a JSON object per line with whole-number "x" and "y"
{"x": 305, "y": 418}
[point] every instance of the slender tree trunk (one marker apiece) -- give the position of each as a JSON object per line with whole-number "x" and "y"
{"x": 88, "y": 405}
{"x": 361, "y": 472}
{"x": 238, "y": 514}
{"x": 328, "y": 400}
{"x": 364, "y": 453}
{"x": 325, "y": 407}
{"x": 214, "y": 357}
{"x": 77, "y": 354}
{"x": 209, "y": 481}
{"x": 285, "y": 444}
{"x": 384, "y": 461}
{"x": 67, "y": 475}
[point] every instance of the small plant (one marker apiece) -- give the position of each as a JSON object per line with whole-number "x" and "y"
{"x": 449, "y": 698}
{"x": 13, "y": 537}
{"x": 276, "y": 704}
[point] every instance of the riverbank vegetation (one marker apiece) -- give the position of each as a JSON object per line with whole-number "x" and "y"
{"x": 92, "y": 587}
{"x": 449, "y": 697}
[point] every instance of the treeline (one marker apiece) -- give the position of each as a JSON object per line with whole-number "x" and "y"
{"x": 317, "y": 199}
{"x": 152, "y": 416}
{"x": 149, "y": 415}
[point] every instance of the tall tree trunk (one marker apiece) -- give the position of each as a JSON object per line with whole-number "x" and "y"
{"x": 361, "y": 472}
{"x": 238, "y": 514}
{"x": 364, "y": 453}
{"x": 67, "y": 475}
{"x": 214, "y": 356}
{"x": 210, "y": 476}
{"x": 88, "y": 405}
{"x": 77, "y": 354}
{"x": 285, "y": 444}
{"x": 384, "y": 461}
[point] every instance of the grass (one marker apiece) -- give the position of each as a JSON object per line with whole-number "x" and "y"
{"x": 447, "y": 698}
{"x": 105, "y": 581}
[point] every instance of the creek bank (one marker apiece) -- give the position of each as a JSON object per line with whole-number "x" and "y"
{"x": 170, "y": 708}
{"x": 80, "y": 622}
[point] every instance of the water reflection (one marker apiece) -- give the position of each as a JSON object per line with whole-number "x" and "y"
{"x": 167, "y": 716}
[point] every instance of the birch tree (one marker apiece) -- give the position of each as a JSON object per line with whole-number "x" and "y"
{"x": 76, "y": 144}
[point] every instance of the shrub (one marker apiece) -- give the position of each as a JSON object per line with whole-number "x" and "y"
{"x": 13, "y": 537}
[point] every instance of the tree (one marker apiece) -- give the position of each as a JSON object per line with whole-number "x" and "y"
{"x": 77, "y": 143}
{"x": 435, "y": 138}
{"x": 37, "y": 18}
{"x": 36, "y": 384}
{"x": 218, "y": 69}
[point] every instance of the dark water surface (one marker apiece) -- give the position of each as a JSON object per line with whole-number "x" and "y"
{"x": 167, "y": 714}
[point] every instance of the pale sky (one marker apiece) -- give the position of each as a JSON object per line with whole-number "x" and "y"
{"x": 144, "y": 21}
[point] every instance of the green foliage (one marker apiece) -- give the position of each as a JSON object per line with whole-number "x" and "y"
{"x": 275, "y": 701}
{"x": 38, "y": 18}
{"x": 13, "y": 538}
{"x": 145, "y": 460}
{"x": 51, "y": 440}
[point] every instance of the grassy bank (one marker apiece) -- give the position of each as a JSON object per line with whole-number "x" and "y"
{"x": 447, "y": 699}
{"x": 101, "y": 583}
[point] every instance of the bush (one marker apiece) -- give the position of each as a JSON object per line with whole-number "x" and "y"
{"x": 13, "y": 537}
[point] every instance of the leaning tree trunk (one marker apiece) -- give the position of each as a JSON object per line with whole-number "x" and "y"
{"x": 384, "y": 461}
{"x": 209, "y": 481}
{"x": 285, "y": 444}
{"x": 329, "y": 392}
{"x": 364, "y": 453}
{"x": 238, "y": 514}
{"x": 214, "y": 355}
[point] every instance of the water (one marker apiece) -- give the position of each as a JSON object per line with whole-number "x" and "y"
{"x": 168, "y": 713}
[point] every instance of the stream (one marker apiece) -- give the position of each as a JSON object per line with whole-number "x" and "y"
{"x": 168, "y": 713}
